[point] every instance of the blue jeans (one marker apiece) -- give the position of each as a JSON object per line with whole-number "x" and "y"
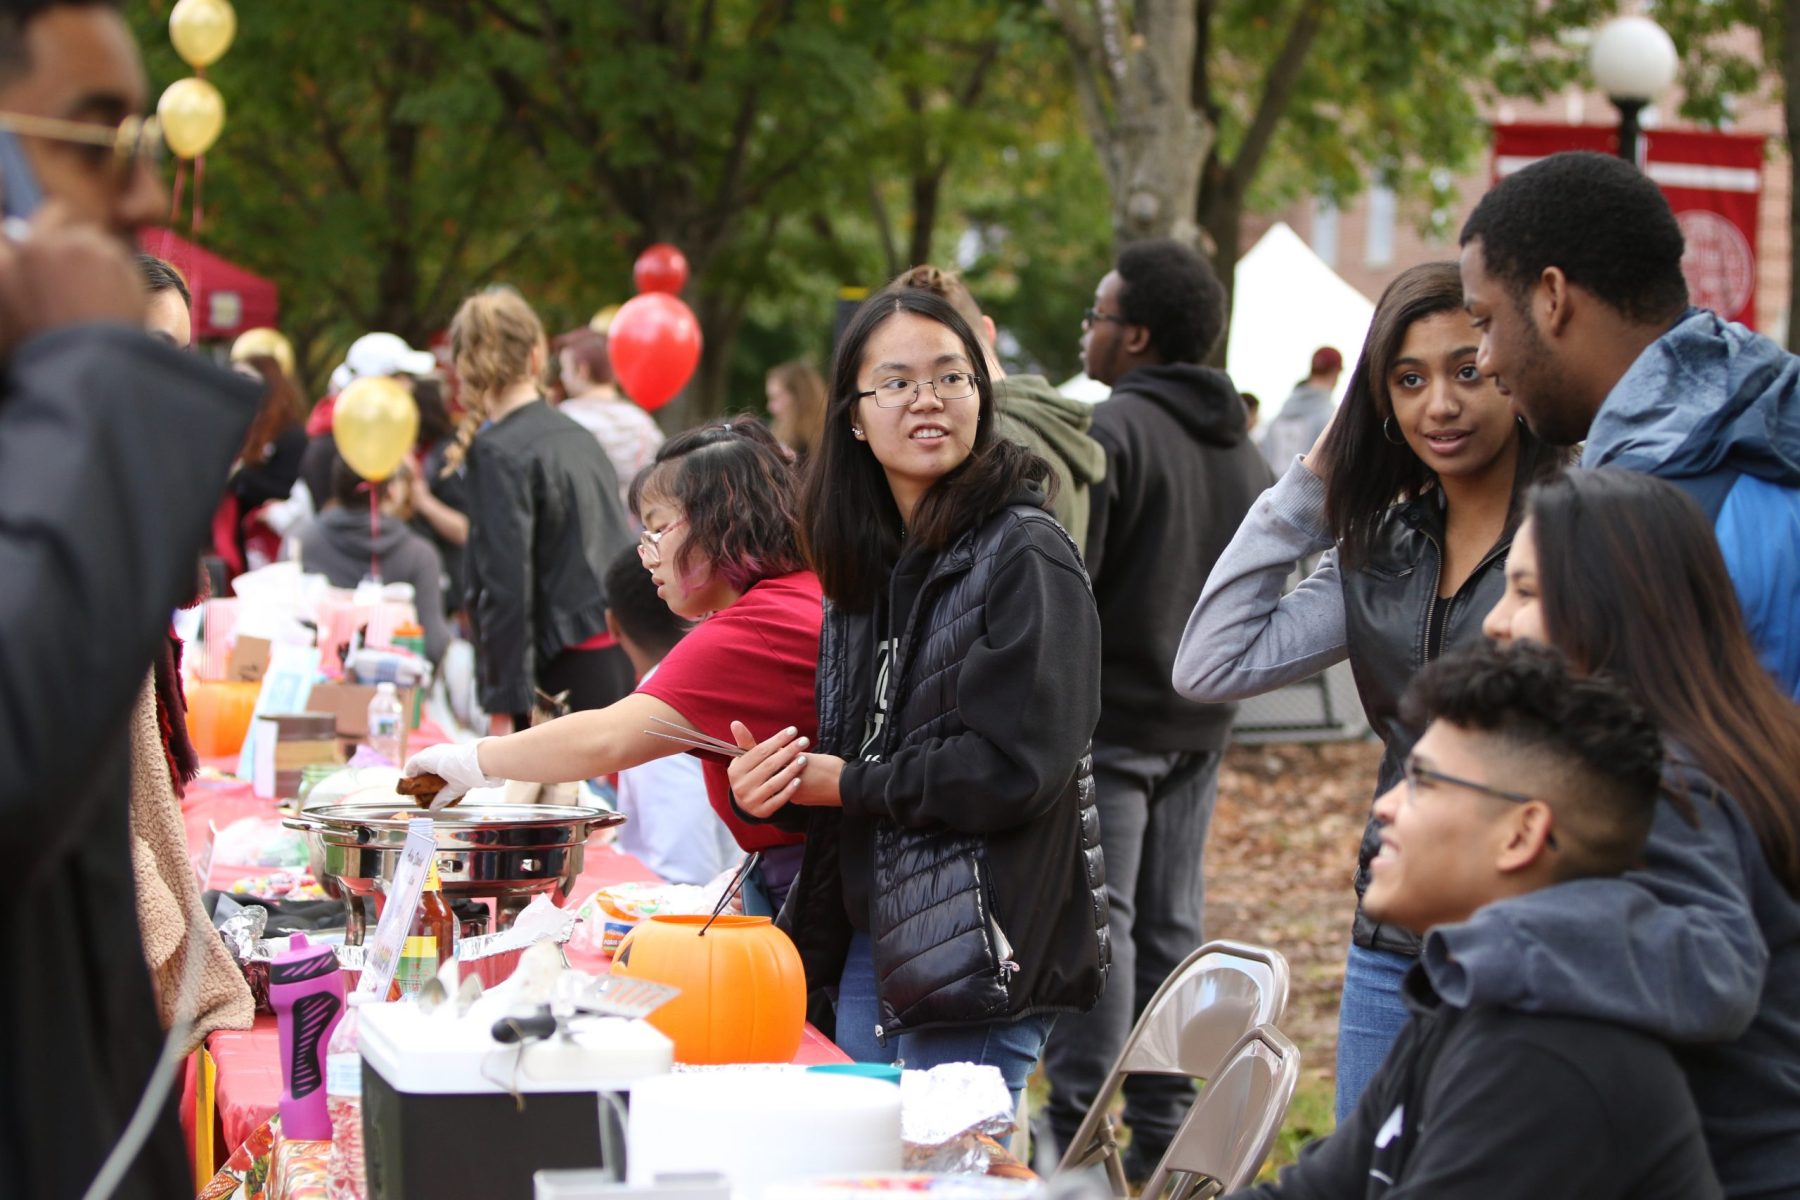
{"x": 1013, "y": 1046}
{"x": 1369, "y": 1019}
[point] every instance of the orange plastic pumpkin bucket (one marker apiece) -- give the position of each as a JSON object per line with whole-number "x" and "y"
{"x": 743, "y": 991}
{"x": 218, "y": 715}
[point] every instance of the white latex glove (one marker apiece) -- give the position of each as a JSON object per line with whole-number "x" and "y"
{"x": 460, "y": 765}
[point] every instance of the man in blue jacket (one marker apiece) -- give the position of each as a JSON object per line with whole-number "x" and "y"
{"x": 1572, "y": 271}
{"x": 1527, "y": 779}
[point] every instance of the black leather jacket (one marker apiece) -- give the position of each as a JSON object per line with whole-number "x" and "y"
{"x": 988, "y": 893}
{"x": 544, "y": 523}
{"x": 1387, "y": 608}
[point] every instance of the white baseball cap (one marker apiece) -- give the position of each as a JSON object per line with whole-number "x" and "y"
{"x": 382, "y": 354}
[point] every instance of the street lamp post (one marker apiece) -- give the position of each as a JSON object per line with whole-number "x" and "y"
{"x": 1633, "y": 61}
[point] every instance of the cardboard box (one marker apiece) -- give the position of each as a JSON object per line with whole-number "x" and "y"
{"x": 349, "y": 702}
{"x": 249, "y": 659}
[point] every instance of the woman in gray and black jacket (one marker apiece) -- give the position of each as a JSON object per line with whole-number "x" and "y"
{"x": 1412, "y": 493}
{"x": 952, "y": 889}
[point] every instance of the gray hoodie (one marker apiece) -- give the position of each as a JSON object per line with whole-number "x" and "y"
{"x": 1701, "y": 947}
{"x": 338, "y": 546}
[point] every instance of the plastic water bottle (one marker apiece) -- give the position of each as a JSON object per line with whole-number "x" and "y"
{"x": 387, "y": 724}
{"x": 345, "y": 1178}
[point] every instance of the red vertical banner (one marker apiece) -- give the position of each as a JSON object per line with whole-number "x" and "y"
{"x": 1713, "y": 182}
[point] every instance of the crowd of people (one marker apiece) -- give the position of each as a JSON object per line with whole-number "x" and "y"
{"x": 979, "y": 646}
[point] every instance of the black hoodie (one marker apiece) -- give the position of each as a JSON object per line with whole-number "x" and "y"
{"x": 1181, "y": 473}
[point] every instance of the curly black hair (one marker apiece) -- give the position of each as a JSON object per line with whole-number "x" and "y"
{"x": 1171, "y": 290}
{"x": 1585, "y": 732}
{"x": 1596, "y": 217}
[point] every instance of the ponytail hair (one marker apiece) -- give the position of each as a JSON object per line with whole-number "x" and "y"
{"x": 492, "y": 338}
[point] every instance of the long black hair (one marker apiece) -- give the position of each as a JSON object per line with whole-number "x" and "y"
{"x": 1633, "y": 584}
{"x": 1369, "y": 473}
{"x": 849, "y": 523}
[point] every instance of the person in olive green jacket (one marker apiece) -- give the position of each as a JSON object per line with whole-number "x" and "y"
{"x": 1032, "y": 412}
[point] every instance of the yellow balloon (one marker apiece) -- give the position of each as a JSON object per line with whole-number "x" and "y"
{"x": 374, "y": 424}
{"x": 271, "y": 342}
{"x": 202, "y": 30}
{"x": 192, "y": 114}
{"x": 602, "y": 320}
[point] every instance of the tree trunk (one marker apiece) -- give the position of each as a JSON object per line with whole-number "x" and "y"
{"x": 1790, "y": 74}
{"x": 1223, "y": 218}
{"x": 1135, "y": 92}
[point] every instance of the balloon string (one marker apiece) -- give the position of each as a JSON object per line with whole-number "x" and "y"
{"x": 175, "y": 200}
{"x": 199, "y": 178}
{"x": 374, "y": 531}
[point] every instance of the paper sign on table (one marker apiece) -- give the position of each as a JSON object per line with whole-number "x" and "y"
{"x": 381, "y": 957}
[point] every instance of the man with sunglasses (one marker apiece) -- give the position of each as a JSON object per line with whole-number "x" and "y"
{"x": 114, "y": 449}
{"x": 1526, "y": 777}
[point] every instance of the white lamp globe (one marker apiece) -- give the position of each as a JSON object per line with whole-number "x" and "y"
{"x": 1632, "y": 58}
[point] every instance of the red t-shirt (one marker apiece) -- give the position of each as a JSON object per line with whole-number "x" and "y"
{"x": 755, "y": 662}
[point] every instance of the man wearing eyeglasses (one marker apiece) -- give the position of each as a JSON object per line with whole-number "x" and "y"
{"x": 114, "y": 449}
{"x": 1181, "y": 472}
{"x": 1527, "y": 777}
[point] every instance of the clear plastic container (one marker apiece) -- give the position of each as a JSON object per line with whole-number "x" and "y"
{"x": 387, "y": 724}
{"x": 344, "y": 1174}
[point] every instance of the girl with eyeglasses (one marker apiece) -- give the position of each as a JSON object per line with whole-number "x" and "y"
{"x": 1622, "y": 573}
{"x": 952, "y": 890}
{"x": 1411, "y": 493}
{"x": 720, "y": 544}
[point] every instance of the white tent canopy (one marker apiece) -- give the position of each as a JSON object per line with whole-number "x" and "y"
{"x": 1287, "y": 304}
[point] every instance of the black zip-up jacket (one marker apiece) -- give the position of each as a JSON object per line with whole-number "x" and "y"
{"x": 1491, "y": 1103}
{"x": 1181, "y": 472}
{"x": 975, "y": 818}
{"x": 1387, "y": 617}
{"x": 544, "y": 523}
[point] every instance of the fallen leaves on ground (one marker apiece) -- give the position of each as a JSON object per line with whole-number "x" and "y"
{"x": 1280, "y": 862}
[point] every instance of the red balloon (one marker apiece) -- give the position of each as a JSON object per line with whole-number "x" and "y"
{"x": 660, "y": 268}
{"x": 654, "y": 344}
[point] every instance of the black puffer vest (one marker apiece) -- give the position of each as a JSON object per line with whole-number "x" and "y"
{"x": 966, "y": 927}
{"x": 1387, "y": 609}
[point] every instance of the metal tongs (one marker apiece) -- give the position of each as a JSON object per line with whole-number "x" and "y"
{"x": 609, "y": 996}
{"x": 693, "y": 739}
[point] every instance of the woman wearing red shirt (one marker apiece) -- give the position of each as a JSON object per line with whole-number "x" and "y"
{"x": 719, "y": 540}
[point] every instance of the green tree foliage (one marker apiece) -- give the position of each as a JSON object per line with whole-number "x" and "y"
{"x": 1307, "y": 97}
{"x": 381, "y": 160}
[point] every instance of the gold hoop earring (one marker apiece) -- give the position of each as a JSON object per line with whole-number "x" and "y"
{"x": 1387, "y": 432}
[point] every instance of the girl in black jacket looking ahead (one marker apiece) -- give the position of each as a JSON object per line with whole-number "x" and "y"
{"x": 952, "y": 889}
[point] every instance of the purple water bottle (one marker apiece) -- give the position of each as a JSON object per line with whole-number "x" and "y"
{"x": 307, "y": 992}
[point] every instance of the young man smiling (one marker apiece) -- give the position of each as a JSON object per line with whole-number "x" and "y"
{"x": 1526, "y": 777}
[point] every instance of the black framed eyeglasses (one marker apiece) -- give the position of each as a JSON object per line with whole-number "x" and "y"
{"x": 1094, "y": 316}
{"x": 899, "y": 393}
{"x": 134, "y": 142}
{"x": 1416, "y": 774}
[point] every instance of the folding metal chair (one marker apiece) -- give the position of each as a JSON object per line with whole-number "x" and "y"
{"x": 1228, "y": 1133}
{"x": 1200, "y": 1014}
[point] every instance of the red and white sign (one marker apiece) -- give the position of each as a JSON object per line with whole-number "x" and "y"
{"x": 1713, "y": 182}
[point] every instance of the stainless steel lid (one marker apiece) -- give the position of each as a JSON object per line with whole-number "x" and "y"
{"x": 459, "y": 826}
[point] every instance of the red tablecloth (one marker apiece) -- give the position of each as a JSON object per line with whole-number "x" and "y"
{"x": 249, "y": 1065}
